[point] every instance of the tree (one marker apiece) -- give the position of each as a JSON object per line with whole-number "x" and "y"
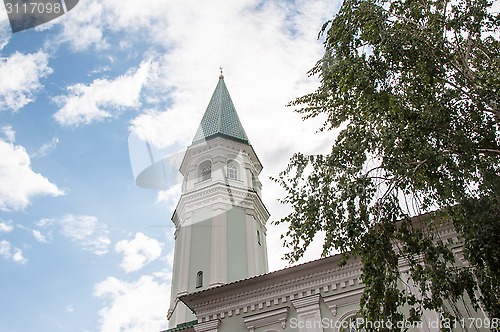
{"x": 412, "y": 86}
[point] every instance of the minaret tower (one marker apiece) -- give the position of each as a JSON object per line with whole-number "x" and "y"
{"x": 220, "y": 219}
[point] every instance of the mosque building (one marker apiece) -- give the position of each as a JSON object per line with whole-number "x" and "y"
{"x": 221, "y": 281}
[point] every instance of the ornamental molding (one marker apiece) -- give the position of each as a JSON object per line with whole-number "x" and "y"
{"x": 209, "y": 146}
{"x": 280, "y": 292}
{"x": 444, "y": 232}
{"x": 338, "y": 286}
{"x": 224, "y": 197}
{"x": 342, "y": 326}
{"x": 333, "y": 302}
{"x": 210, "y": 326}
{"x": 442, "y": 228}
{"x": 306, "y": 303}
{"x": 255, "y": 321}
{"x": 459, "y": 254}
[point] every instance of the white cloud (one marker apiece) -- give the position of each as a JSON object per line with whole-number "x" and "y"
{"x": 103, "y": 98}
{"x": 138, "y": 252}
{"x": 12, "y": 254}
{"x": 39, "y": 236}
{"x": 5, "y": 33}
{"x": 18, "y": 182}
{"x": 266, "y": 54}
{"x": 134, "y": 306}
{"x": 46, "y": 148}
{"x": 266, "y": 48}
{"x": 82, "y": 27}
{"x": 169, "y": 197}
{"x": 17, "y": 256}
{"x": 162, "y": 128}
{"x": 45, "y": 222}
{"x": 5, "y": 248}
{"x": 91, "y": 234}
{"x": 24, "y": 72}
{"x": 9, "y": 133}
{"x": 6, "y": 227}
{"x": 69, "y": 309}
{"x": 86, "y": 26}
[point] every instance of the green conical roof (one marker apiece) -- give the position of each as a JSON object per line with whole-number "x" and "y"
{"x": 220, "y": 118}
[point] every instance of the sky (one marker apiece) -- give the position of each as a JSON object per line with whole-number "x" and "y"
{"x": 82, "y": 247}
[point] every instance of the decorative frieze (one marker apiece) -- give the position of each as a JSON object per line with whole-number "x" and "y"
{"x": 267, "y": 318}
{"x": 333, "y": 302}
{"x": 280, "y": 292}
{"x": 223, "y": 197}
{"x": 209, "y": 326}
{"x": 308, "y": 314}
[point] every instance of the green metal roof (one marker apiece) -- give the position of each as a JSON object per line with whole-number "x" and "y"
{"x": 182, "y": 326}
{"x": 220, "y": 118}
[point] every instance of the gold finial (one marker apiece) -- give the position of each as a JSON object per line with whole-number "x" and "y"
{"x": 221, "y": 76}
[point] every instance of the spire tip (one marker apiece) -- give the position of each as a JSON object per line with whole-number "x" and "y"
{"x": 221, "y": 76}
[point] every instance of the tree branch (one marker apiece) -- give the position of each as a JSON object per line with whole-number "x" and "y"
{"x": 489, "y": 151}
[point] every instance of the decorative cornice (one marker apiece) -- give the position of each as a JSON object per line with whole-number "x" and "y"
{"x": 226, "y": 197}
{"x": 247, "y": 298}
{"x": 208, "y": 146}
{"x": 333, "y": 302}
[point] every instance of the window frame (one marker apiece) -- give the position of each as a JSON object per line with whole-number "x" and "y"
{"x": 199, "y": 279}
{"x": 232, "y": 171}
{"x": 205, "y": 171}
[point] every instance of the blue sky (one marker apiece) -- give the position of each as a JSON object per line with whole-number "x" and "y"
{"x": 82, "y": 247}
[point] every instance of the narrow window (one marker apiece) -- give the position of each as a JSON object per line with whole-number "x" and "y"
{"x": 199, "y": 279}
{"x": 258, "y": 237}
{"x": 205, "y": 171}
{"x": 232, "y": 172}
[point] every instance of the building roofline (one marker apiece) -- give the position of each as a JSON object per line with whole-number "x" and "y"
{"x": 183, "y": 326}
{"x": 262, "y": 278}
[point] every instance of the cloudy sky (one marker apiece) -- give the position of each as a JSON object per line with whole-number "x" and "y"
{"x": 82, "y": 248}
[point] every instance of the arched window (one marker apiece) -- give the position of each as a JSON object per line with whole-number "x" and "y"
{"x": 205, "y": 171}
{"x": 232, "y": 171}
{"x": 350, "y": 322}
{"x": 199, "y": 279}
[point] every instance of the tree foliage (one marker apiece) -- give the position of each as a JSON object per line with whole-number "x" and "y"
{"x": 412, "y": 86}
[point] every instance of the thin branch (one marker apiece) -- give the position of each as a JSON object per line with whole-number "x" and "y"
{"x": 420, "y": 163}
{"x": 489, "y": 151}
